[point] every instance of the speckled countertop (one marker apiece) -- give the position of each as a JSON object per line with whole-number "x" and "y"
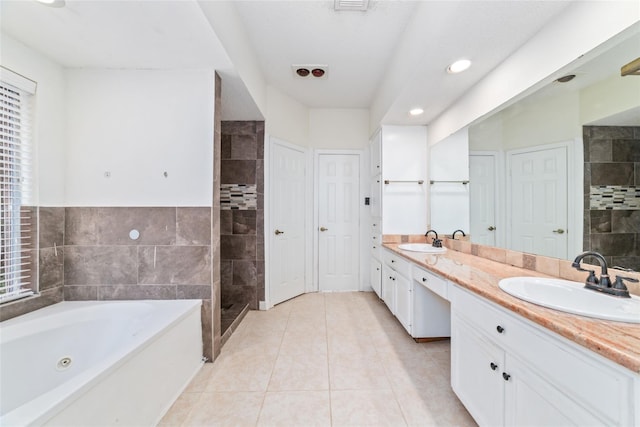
{"x": 617, "y": 341}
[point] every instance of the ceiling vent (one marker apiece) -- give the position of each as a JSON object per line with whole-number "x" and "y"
{"x": 353, "y": 5}
{"x": 307, "y": 71}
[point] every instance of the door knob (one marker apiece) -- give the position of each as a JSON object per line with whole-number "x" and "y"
{"x": 323, "y": 229}
{"x": 491, "y": 228}
{"x": 559, "y": 231}
{"x": 278, "y": 232}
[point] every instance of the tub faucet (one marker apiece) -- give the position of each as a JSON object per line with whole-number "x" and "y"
{"x": 437, "y": 243}
{"x": 603, "y": 284}
{"x": 453, "y": 236}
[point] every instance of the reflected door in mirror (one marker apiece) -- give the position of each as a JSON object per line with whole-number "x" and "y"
{"x": 482, "y": 198}
{"x": 538, "y": 201}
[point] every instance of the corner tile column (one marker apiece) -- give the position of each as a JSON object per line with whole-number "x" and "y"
{"x": 215, "y": 309}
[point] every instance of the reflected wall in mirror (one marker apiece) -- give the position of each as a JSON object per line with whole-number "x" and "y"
{"x": 558, "y": 172}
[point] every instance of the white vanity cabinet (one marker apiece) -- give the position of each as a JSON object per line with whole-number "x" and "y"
{"x": 375, "y": 152}
{"x": 509, "y": 371}
{"x": 375, "y": 203}
{"x": 395, "y": 279}
{"x": 430, "y": 293}
{"x": 421, "y": 312}
{"x": 376, "y": 276}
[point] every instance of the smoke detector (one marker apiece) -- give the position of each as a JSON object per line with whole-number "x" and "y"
{"x": 351, "y": 5}
{"x": 310, "y": 71}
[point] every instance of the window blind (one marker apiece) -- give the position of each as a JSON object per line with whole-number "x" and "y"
{"x": 17, "y": 236}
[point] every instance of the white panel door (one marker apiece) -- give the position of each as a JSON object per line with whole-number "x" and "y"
{"x": 338, "y": 220}
{"x": 482, "y": 198}
{"x": 538, "y": 201}
{"x": 287, "y": 213}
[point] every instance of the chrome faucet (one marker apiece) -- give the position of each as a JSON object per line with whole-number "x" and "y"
{"x": 453, "y": 236}
{"x": 603, "y": 284}
{"x": 437, "y": 243}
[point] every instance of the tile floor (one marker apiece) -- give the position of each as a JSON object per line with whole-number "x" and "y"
{"x": 337, "y": 359}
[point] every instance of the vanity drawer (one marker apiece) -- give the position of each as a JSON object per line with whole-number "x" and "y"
{"x": 396, "y": 262}
{"x": 434, "y": 283}
{"x": 477, "y": 312}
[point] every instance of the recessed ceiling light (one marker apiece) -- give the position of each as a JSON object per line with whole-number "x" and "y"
{"x": 52, "y": 3}
{"x": 458, "y": 66}
{"x": 416, "y": 111}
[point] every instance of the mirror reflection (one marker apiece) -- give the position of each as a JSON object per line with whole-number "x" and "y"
{"x": 558, "y": 172}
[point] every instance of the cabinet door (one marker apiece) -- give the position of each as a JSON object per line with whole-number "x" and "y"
{"x": 532, "y": 401}
{"x": 376, "y": 277}
{"x": 375, "y": 200}
{"x": 389, "y": 287}
{"x": 376, "y": 153}
{"x": 476, "y": 373}
{"x": 404, "y": 302}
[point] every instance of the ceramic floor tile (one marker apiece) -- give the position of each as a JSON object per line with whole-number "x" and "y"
{"x": 300, "y": 408}
{"x": 226, "y": 409}
{"x": 323, "y": 359}
{"x": 300, "y": 372}
{"x": 423, "y": 407}
{"x": 344, "y": 342}
{"x": 180, "y": 409}
{"x": 303, "y": 343}
{"x": 246, "y": 373}
{"x": 200, "y": 381}
{"x": 357, "y": 371}
{"x": 370, "y": 408}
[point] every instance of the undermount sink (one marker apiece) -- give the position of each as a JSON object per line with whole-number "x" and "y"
{"x": 572, "y": 297}
{"x": 421, "y": 247}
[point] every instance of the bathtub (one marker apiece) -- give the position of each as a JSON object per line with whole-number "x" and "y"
{"x": 98, "y": 363}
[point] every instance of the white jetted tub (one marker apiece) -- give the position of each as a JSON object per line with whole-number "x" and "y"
{"x": 101, "y": 363}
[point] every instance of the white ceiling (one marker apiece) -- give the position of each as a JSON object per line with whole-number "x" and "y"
{"x": 359, "y": 48}
{"x": 356, "y": 46}
{"x": 147, "y": 34}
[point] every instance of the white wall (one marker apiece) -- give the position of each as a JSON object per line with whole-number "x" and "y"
{"x": 137, "y": 124}
{"x": 581, "y": 28}
{"x": 550, "y": 120}
{"x": 611, "y": 96}
{"x": 286, "y": 118}
{"x": 50, "y": 117}
{"x": 226, "y": 23}
{"x": 346, "y": 129}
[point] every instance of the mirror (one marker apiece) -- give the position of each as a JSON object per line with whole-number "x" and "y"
{"x": 558, "y": 171}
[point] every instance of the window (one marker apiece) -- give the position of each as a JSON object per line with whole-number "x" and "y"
{"x": 17, "y": 239}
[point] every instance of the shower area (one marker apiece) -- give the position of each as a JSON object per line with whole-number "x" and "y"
{"x": 612, "y": 193}
{"x": 241, "y": 221}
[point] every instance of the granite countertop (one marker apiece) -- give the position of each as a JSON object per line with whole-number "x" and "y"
{"x": 617, "y": 341}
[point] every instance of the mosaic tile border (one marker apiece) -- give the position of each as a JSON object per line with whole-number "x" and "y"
{"x": 615, "y": 197}
{"x": 242, "y": 197}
